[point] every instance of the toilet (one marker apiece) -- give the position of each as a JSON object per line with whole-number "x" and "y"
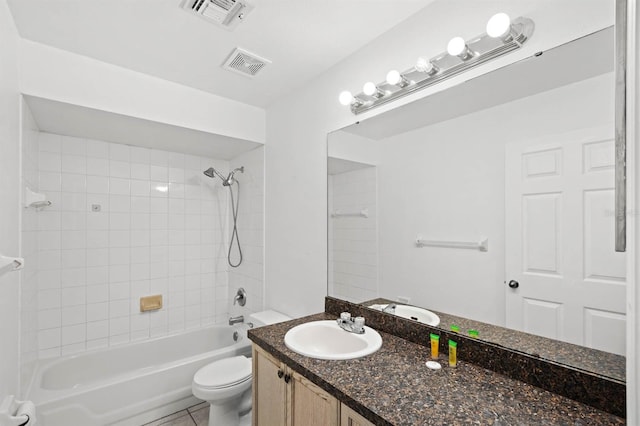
{"x": 226, "y": 384}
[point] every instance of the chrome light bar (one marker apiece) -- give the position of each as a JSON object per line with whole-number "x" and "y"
{"x": 459, "y": 57}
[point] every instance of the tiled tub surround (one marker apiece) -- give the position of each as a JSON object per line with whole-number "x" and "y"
{"x": 394, "y": 387}
{"x": 249, "y": 275}
{"x": 602, "y": 392}
{"x": 353, "y": 240}
{"x": 127, "y": 222}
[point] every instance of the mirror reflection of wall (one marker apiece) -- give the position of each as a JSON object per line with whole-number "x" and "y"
{"x": 441, "y": 174}
{"x": 353, "y": 230}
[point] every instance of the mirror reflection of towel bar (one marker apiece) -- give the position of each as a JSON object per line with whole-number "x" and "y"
{"x": 361, "y": 213}
{"x": 482, "y": 245}
{"x": 8, "y": 264}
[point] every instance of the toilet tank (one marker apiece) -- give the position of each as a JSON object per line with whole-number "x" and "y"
{"x": 268, "y": 317}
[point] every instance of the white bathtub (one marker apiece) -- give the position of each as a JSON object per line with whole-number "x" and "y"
{"x": 129, "y": 384}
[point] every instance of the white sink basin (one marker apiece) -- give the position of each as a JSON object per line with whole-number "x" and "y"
{"x": 326, "y": 340}
{"x": 414, "y": 313}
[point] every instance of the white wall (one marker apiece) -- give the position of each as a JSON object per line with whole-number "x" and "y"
{"x": 10, "y": 196}
{"x": 29, "y": 236}
{"x": 79, "y": 80}
{"x": 296, "y": 245}
{"x": 162, "y": 228}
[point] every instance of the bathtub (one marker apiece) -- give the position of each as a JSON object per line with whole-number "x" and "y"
{"x": 131, "y": 384}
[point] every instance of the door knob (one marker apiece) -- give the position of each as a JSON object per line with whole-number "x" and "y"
{"x": 287, "y": 378}
{"x": 514, "y": 284}
{"x": 280, "y": 374}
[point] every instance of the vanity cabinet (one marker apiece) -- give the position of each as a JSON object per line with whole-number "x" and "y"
{"x": 284, "y": 397}
{"x": 348, "y": 417}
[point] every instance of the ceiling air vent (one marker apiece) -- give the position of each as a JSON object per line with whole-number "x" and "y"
{"x": 245, "y": 63}
{"x": 226, "y": 13}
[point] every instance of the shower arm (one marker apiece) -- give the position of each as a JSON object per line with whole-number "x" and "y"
{"x": 219, "y": 175}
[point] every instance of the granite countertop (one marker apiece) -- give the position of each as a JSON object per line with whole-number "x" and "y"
{"x": 394, "y": 387}
{"x": 603, "y": 364}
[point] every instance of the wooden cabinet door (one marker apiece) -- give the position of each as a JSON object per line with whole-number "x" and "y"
{"x": 311, "y": 405}
{"x": 348, "y": 417}
{"x": 269, "y": 390}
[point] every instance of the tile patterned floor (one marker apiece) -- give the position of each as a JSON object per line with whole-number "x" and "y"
{"x": 197, "y": 415}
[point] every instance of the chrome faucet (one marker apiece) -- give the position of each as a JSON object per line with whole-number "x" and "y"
{"x": 390, "y": 308}
{"x": 236, "y": 320}
{"x": 352, "y": 325}
{"x": 241, "y": 297}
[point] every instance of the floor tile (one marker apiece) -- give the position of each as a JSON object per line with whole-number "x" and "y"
{"x": 198, "y": 406}
{"x": 181, "y": 418}
{"x": 201, "y": 416}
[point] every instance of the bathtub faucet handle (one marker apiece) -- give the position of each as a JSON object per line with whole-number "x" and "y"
{"x": 240, "y": 297}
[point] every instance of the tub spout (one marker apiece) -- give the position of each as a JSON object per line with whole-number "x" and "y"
{"x": 236, "y": 320}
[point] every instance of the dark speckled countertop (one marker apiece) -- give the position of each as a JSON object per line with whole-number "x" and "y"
{"x": 596, "y": 362}
{"x": 394, "y": 387}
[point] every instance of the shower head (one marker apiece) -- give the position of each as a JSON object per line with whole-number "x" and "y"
{"x": 212, "y": 173}
{"x": 229, "y": 180}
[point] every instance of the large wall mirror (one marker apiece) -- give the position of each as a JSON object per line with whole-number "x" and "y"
{"x": 508, "y": 179}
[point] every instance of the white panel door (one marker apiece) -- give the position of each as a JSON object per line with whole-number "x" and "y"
{"x": 564, "y": 280}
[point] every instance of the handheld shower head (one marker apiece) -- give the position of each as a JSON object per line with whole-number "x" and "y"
{"x": 231, "y": 178}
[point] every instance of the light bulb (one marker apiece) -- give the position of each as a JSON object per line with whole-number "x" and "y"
{"x": 369, "y": 88}
{"x": 393, "y": 77}
{"x": 424, "y": 65}
{"x": 499, "y": 25}
{"x": 345, "y": 98}
{"x": 456, "y": 46}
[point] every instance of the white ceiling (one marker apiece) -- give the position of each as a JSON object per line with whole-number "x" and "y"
{"x": 302, "y": 38}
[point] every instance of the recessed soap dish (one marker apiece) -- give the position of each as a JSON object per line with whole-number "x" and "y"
{"x": 35, "y": 199}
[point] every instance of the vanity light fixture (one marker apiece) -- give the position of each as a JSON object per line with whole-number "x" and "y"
{"x": 426, "y": 66}
{"x": 502, "y": 36}
{"x": 370, "y": 89}
{"x": 394, "y": 78}
{"x": 347, "y": 98}
{"x": 458, "y": 47}
{"x": 499, "y": 26}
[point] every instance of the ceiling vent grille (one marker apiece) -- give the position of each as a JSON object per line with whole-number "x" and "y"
{"x": 226, "y": 13}
{"x": 246, "y": 63}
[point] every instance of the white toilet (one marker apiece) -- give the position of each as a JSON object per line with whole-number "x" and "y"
{"x": 226, "y": 383}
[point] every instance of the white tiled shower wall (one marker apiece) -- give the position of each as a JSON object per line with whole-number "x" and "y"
{"x": 249, "y": 275}
{"x": 353, "y": 241}
{"x": 127, "y": 222}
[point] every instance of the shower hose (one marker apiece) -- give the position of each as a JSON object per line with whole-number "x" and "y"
{"x": 234, "y": 234}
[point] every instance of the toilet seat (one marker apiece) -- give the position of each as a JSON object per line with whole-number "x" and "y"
{"x": 224, "y": 373}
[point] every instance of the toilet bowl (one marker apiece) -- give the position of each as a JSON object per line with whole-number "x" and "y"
{"x": 226, "y": 384}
